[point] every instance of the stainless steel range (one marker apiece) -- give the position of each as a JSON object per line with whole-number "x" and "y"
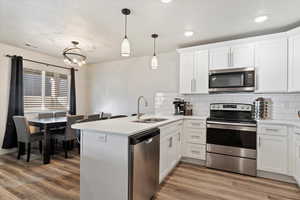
{"x": 231, "y": 138}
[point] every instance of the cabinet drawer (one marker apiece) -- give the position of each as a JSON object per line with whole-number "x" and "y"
{"x": 196, "y": 135}
{"x": 196, "y": 151}
{"x": 196, "y": 124}
{"x": 273, "y": 130}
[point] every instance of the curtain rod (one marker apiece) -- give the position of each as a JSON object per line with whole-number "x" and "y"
{"x": 43, "y": 63}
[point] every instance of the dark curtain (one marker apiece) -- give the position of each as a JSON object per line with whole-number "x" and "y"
{"x": 16, "y": 102}
{"x": 73, "y": 94}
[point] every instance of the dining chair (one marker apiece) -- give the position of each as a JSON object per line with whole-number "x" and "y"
{"x": 69, "y": 134}
{"x": 45, "y": 115}
{"x": 93, "y": 117}
{"x": 25, "y": 136}
{"x": 105, "y": 115}
{"x": 118, "y": 116}
{"x": 60, "y": 114}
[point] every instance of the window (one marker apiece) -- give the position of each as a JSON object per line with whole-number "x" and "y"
{"x": 45, "y": 90}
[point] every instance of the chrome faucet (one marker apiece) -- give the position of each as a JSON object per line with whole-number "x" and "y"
{"x": 138, "y": 106}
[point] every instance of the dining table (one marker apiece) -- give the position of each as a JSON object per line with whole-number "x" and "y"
{"x": 47, "y": 125}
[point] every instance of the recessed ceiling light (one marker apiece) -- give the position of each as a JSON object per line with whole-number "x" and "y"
{"x": 261, "y": 19}
{"x": 166, "y": 1}
{"x": 188, "y": 33}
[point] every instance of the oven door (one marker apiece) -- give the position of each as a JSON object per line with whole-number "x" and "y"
{"x": 232, "y": 139}
{"x": 231, "y": 81}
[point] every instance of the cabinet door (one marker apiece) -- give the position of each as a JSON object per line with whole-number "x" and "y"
{"x": 294, "y": 64}
{"x": 172, "y": 154}
{"x": 242, "y": 56}
{"x": 297, "y": 158}
{"x": 272, "y": 154}
{"x": 164, "y": 160}
{"x": 271, "y": 65}
{"x": 186, "y": 72}
{"x": 201, "y": 72}
{"x": 219, "y": 58}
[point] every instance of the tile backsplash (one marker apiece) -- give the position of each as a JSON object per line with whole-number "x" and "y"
{"x": 284, "y": 106}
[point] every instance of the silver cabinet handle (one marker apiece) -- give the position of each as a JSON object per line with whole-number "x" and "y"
{"x": 196, "y": 124}
{"x": 195, "y": 152}
{"x": 179, "y": 137}
{"x": 231, "y": 59}
{"x": 170, "y": 142}
{"x": 195, "y": 85}
{"x": 272, "y": 129}
{"x": 259, "y": 142}
{"x": 195, "y": 136}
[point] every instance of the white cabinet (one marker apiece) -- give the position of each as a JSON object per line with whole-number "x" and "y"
{"x": 186, "y": 72}
{"x": 271, "y": 65}
{"x": 194, "y": 145}
{"x": 242, "y": 55}
{"x": 194, "y": 72}
{"x": 170, "y": 148}
{"x": 219, "y": 58}
{"x": 237, "y": 56}
{"x": 294, "y": 63}
{"x": 297, "y": 156}
{"x": 272, "y": 149}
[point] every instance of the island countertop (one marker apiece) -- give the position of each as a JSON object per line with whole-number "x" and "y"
{"x": 126, "y": 126}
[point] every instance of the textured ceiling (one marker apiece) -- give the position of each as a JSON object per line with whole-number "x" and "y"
{"x": 98, "y": 24}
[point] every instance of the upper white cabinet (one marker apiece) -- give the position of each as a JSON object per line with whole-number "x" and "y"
{"x": 219, "y": 58}
{"x": 186, "y": 72}
{"x": 271, "y": 65}
{"x": 241, "y": 55}
{"x": 294, "y": 62}
{"x": 194, "y": 72}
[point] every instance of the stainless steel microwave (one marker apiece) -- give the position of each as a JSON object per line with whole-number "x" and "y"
{"x": 232, "y": 80}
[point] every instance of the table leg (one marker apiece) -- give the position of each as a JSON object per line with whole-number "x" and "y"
{"x": 47, "y": 146}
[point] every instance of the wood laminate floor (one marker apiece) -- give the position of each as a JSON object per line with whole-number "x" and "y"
{"x": 60, "y": 181}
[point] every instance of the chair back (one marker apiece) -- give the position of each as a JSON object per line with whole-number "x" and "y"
{"x": 45, "y": 115}
{"x": 94, "y": 117}
{"x": 106, "y": 115}
{"x": 70, "y": 133}
{"x": 22, "y": 127}
{"x": 60, "y": 114}
{"x": 118, "y": 116}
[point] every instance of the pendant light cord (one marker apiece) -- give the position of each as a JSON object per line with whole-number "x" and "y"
{"x": 154, "y": 47}
{"x": 125, "y": 26}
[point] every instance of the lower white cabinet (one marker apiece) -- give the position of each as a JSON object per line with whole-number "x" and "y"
{"x": 272, "y": 149}
{"x": 297, "y": 157}
{"x": 194, "y": 145}
{"x": 170, "y": 148}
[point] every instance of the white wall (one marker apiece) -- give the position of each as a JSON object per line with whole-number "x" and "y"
{"x": 5, "y": 80}
{"x": 115, "y": 86}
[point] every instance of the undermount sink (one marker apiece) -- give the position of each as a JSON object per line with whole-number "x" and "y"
{"x": 150, "y": 120}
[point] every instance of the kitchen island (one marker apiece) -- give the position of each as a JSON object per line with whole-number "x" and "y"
{"x": 104, "y": 170}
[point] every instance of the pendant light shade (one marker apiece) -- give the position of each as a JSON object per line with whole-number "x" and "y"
{"x": 154, "y": 60}
{"x": 125, "y": 46}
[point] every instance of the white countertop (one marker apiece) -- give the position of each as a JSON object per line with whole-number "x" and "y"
{"x": 281, "y": 122}
{"x": 126, "y": 126}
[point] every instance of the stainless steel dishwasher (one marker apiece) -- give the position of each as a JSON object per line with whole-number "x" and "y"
{"x": 144, "y": 165}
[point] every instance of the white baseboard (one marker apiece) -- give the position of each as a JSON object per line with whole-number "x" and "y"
{"x": 193, "y": 161}
{"x": 274, "y": 176}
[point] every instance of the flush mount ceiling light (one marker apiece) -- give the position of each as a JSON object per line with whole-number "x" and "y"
{"x": 125, "y": 46}
{"x": 73, "y": 55}
{"x": 154, "y": 60}
{"x": 166, "y": 1}
{"x": 188, "y": 33}
{"x": 261, "y": 19}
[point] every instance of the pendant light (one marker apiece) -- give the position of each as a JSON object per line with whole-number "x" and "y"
{"x": 125, "y": 46}
{"x": 154, "y": 60}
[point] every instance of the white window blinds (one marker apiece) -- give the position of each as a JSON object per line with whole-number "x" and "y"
{"x": 45, "y": 90}
{"x": 32, "y": 89}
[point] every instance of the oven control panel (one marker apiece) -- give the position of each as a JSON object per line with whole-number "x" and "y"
{"x": 231, "y": 107}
